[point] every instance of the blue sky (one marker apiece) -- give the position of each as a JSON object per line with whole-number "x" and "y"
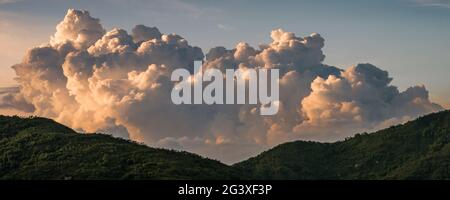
{"x": 408, "y": 38}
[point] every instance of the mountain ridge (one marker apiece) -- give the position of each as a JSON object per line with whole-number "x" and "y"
{"x": 398, "y": 152}
{"x": 44, "y": 149}
{"x": 40, "y": 148}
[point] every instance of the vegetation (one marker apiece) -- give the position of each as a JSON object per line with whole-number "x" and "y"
{"x": 419, "y": 149}
{"x": 39, "y": 148}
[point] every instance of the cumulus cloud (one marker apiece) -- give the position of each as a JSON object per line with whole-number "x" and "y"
{"x": 79, "y": 28}
{"x": 95, "y": 80}
{"x": 360, "y": 98}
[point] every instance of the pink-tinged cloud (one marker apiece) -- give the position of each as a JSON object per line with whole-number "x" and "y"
{"x": 115, "y": 82}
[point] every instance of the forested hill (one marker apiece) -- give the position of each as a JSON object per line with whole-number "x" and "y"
{"x": 39, "y": 148}
{"x": 419, "y": 149}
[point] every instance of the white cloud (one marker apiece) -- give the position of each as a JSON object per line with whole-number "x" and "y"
{"x": 225, "y": 27}
{"x": 94, "y": 80}
{"x": 437, "y": 3}
{"x": 9, "y": 1}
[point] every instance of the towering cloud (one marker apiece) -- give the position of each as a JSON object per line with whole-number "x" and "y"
{"x": 79, "y": 28}
{"x": 119, "y": 83}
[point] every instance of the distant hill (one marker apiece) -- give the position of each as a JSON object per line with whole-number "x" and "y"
{"x": 39, "y": 148}
{"x": 419, "y": 149}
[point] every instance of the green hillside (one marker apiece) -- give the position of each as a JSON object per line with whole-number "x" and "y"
{"x": 39, "y": 148}
{"x": 419, "y": 149}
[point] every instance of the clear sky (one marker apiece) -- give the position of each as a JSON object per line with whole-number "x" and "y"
{"x": 408, "y": 38}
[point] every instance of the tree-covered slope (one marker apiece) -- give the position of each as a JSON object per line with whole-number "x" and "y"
{"x": 419, "y": 149}
{"x": 39, "y": 148}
